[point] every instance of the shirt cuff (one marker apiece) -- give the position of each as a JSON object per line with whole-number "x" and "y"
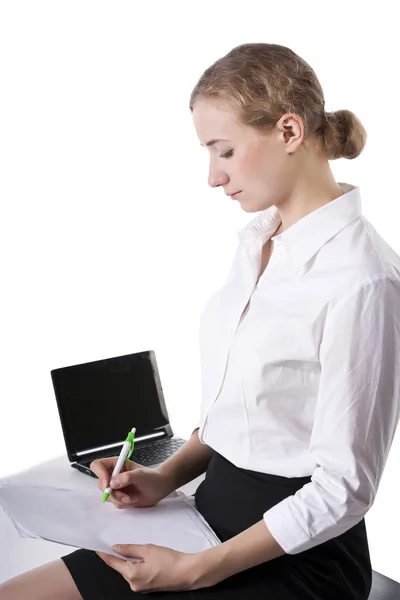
{"x": 285, "y": 529}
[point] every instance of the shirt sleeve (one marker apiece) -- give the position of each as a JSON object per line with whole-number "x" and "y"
{"x": 356, "y": 416}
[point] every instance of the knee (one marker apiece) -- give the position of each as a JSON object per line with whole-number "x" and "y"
{"x": 9, "y": 590}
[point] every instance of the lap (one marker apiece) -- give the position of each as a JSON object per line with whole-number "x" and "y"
{"x": 231, "y": 499}
{"x": 96, "y": 580}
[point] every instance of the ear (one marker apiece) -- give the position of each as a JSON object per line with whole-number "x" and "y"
{"x": 291, "y": 127}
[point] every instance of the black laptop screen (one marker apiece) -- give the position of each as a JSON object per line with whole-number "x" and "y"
{"x": 99, "y": 402}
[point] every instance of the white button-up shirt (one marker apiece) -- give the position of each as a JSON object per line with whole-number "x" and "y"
{"x": 307, "y": 382}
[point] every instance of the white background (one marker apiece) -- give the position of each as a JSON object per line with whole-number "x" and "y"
{"x": 111, "y": 239}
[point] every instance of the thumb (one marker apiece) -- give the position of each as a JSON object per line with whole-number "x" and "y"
{"x": 131, "y": 550}
{"x": 123, "y": 479}
{"x": 133, "y": 465}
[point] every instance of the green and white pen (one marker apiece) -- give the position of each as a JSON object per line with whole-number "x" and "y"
{"x": 125, "y": 454}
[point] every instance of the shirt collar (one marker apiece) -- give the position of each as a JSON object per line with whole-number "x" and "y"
{"x": 305, "y": 237}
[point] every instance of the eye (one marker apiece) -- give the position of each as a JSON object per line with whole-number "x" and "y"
{"x": 227, "y": 154}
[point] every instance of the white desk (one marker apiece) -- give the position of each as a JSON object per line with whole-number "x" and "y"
{"x": 18, "y": 555}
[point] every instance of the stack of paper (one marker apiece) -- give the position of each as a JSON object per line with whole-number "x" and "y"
{"x": 80, "y": 519}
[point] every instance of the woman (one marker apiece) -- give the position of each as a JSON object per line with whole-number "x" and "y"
{"x": 300, "y": 384}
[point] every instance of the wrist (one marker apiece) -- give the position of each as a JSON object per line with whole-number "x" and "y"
{"x": 206, "y": 568}
{"x": 167, "y": 477}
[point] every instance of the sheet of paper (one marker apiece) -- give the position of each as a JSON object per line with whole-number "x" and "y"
{"x": 80, "y": 519}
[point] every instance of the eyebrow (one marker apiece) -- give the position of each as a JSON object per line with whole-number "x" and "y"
{"x": 212, "y": 142}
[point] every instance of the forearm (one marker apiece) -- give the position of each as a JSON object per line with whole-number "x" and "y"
{"x": 190, "y": 461}
{"x": 249, "y": 548}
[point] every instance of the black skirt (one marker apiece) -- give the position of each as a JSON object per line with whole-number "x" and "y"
{"x": 231, "y": 500}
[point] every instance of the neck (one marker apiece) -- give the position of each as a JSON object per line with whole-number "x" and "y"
{"x": 314, "y": 186}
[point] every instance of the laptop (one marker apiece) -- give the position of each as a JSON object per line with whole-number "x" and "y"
{"x": 99, "y": 402}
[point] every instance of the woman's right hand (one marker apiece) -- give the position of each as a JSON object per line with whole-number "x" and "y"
{"x": 141, "y": 486}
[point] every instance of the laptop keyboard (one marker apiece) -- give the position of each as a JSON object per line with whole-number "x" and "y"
{"x": 157, "y": 452}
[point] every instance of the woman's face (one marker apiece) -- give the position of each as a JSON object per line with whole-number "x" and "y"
{"x": 259, "y": 165}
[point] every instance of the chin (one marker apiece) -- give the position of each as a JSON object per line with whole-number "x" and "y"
{"x": 254, "y": 207}
{"x": 250, "y": 209}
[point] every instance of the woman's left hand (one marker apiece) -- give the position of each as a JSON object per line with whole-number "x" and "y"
{"x": 161, "y": 569}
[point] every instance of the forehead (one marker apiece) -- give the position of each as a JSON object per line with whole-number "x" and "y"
{"x": 213, "y": 120}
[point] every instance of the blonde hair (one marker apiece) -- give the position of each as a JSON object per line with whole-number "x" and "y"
{"x": 261, "y": 82}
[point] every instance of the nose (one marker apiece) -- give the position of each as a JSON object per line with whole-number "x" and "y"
{"x": 216, "y": 177}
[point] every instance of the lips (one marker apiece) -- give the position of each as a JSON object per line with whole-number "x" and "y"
{"x": 235, "y": 194}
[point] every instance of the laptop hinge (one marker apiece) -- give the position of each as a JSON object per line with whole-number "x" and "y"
{"x": 138, "y": 440}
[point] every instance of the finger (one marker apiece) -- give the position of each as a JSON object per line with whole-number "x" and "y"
{"x": 120, "y": 481}
{"x": 120, "y": 500}
{"x": 112, "y": 561}
{"x": 103, "y": 467}
{"x": 124, "y": 567}
{"x": 132, "y": 550}
{"x": 102, "y": 473}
